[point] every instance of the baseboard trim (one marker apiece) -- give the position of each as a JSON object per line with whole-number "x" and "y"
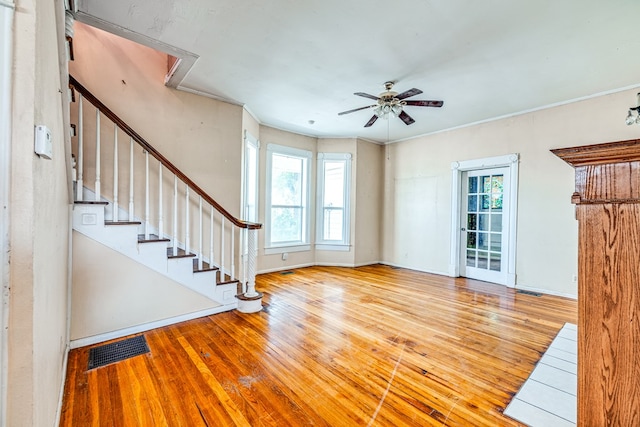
{"x": 95, "y": 339}
{"x": 545, "y": 291}
{"x": 285, "y": 268}
{"x": 347, "y": 265}
{"x": 318, "y": 264}
{"x": 439, "y": 273}
{"x": 363, "y": 264}
{"x": 65, "y": 361}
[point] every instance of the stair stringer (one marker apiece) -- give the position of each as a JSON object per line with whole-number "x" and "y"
{"x": 89, "y": 220}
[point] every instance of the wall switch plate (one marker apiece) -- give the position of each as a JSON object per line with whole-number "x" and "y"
{"x": 43, "y": 144}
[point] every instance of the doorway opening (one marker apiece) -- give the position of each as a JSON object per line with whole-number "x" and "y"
{"x": 484, "y": 208}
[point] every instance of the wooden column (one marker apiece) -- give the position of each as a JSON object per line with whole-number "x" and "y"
{"x": 607, "y": 199}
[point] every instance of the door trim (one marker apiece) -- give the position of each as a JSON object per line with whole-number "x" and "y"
{"x": 7, "y": 11}
{"x": 457, "y": 168}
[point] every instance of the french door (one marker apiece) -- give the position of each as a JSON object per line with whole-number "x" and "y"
{"x": 484, "y": 220}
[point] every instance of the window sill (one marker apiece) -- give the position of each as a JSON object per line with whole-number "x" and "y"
{"x": 332, "y": 247}
{"x": 282, "y": 249}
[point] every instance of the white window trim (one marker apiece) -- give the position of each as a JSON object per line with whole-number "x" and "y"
{"x": 457, "y": 168}
{"x": 333, "y": 245}
{"x": 304, "y": 245}
{"x": 250, "y": 140}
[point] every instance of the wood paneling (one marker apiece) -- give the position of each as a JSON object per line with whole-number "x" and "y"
{"x": 608, "y": 210}
{"x": 609, "y": 305}
{"x": 600, "y": 154}
{"x": 361, "y": 346}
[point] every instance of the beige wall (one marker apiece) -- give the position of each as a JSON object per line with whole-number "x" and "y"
{"x": 417, "y": 187}
{"x": 107, "y": 299}
{"x": 368, "y": 195}
{"x": 39, "y": 212}
{"x": 201, "y": 136}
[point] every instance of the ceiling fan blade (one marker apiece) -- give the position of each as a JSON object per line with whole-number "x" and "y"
{"x": 425, "y": 103}
{"x": 366, "y": 95}
{"x": 408, "y": 93}
{"x": 407, "y": 119}
{"x": 356, "y": 109}
{"x": 371, "y": 121}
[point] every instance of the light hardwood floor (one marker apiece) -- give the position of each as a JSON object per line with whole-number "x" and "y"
{"x": 368, "y": 346}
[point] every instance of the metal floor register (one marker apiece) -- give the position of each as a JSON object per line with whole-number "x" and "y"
{"x": 117, "y": 351}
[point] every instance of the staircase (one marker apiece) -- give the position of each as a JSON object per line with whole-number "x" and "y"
{"x": 168, "y": 224}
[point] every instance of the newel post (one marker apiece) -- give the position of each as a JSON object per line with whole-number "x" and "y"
{"x": 251, "y": 300}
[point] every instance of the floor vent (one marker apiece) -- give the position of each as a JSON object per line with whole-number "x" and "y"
{"x": 117, "y": 351}
{"x": 535, "y": 294}
{"x": 287, "y": 272}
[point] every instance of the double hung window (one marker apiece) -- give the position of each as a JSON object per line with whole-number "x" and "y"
{"x": 287, "y": 204}
{"x": 332, "y": 223}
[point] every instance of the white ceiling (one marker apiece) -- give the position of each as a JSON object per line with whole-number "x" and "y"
{"x": 291, "y": 61}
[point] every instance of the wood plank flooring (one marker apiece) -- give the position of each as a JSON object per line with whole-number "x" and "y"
{"x": 368, "y": 346}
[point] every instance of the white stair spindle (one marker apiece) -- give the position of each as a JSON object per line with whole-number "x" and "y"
{"x": 131, "y": 213}
{"x": 80, "y": 182}
{"x": 115, "y": 173}
{"x": 200, "y": 237}
{"x": 146, "y": 196}
{"x": 187, "y": 234}
{"x": 222, "y": 277}
{"x": 233, "y": 254}
{"x": 160, "y": 206}
{"x": 211, "y": 261}
{"x": 97, "y": 185}
{"x": 175, "y": 216}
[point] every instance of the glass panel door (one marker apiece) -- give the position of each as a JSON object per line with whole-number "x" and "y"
{"x": 484, "y": 225}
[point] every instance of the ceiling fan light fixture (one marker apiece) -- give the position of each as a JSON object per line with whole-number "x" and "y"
{"x": 630, "y": 119}
{"x": 391, "y": 102}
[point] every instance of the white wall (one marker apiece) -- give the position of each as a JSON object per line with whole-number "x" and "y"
{"x": 39, "y": 211}
{"x": 417, "y": 187}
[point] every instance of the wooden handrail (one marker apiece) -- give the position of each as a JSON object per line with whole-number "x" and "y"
{"x": 158, "y": 156}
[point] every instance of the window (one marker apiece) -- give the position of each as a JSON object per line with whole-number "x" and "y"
{"x": 334, "y": 176}
{"x": 287, "y": 207}
{"x": 250, "y": 179}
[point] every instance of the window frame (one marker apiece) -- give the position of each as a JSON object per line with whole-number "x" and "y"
{"x": 344, "y": 243}
{"x": 304, "y": 243}
{"x": 250, "y": 142}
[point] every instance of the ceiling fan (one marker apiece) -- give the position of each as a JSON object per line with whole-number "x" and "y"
{"x": 394, "y": 103}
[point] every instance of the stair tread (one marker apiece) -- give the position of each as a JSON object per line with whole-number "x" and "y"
{"x": 122, "y": 223}
{"x": 205, "y": 267}
{"x": 152, "y": 238}
{"x": 181, "y": 254}
{"x": 89, "y": 202}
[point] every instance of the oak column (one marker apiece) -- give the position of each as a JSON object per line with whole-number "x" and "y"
{"x": 607, "y": 199}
